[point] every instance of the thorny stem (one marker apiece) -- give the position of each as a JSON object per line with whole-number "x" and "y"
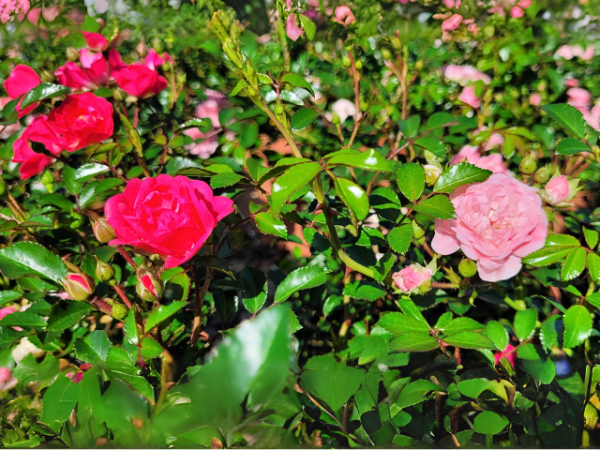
{"x": 127, "y": 257}
{"x": 119, "y": 290}
{"x": 283, "y": 131}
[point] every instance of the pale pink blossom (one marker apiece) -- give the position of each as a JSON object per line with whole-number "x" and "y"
{"x": 292, "y": 29}
{"x": 516, "y": 12}
{"x": 469, "y": 97}
{"x": 452, "y": 3}
{"x": 5, "y": 312}
{"x": 535, "y": 99}
{"x": 5, "y": 374}
{"x": 493, "y": 162}
{"x": 210, "y": 108}
{"x": 575, "y": 51}
{"x": 571, "y": 82}
{"x": 465, "y": 74}
{"x": 509, "y": 353}
{"x": 579, "y": 98}
{"x": 498, "y": 222}
{"x": 452, "y": 23}
{"x": 9, "y": 8}
{"x": 413, "y": 277}
{"x": 343, "y": 15}
{"x": 556, "y": 190}
{"x": 344, "y": 109}
{"x": 206, "y": 147}
{"x": 593, "y": 117}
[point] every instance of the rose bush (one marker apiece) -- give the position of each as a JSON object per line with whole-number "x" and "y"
{"x": 299, "y": 224}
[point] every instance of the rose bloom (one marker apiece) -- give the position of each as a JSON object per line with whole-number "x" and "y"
{"x": 81, "y": 120}
{"x": 20, "y": 81}
{"x": 469, "y": 97}
{"x": 209, "y": 109}
{"x": 452, "y": 23}
{"x": 344, "y": 16}
{"x": 292, "y": 29}
{"x": 493, "y": 162}
{"x": 412, "y": 277}
{"x": 465, "y": 74}
{"x": 556, "y": 190}
{"x": 498, "y": 222}
{"x": 535, "y": 99}
{"x": 169, "y": 216}
{"x": 137, "y": 79}
{"x": 508, "y": 353}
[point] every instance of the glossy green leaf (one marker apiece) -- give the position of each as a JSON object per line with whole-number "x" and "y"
{"x": 525, "y": 323}
{"x": 94, "y": 348}
{"x": 368, "y": 160}
{"x": 309, "y": 27}
{"x": 574, "y": 264}
{"x": 303, "y": 278}
{"x": 364, "y": 290}
{"x": 550, "y": 331}
{"x": 536, "y": 364}
{"x": 459, "y": 175}
{"x": 331, "y": 381}
{"x": 8, "y": 296}
{"x": 297, "y": 81}
{"x": 25, "y": 319}
{"x": 435, "y": 146}
{"x": 591, "y": 237}
{"x": 59, "y": 401}
{"x": 411, "y": 180}
{"x": 27, "y": 258}
{"x": 204, "y": 125}
{"x": 255, "y": 288}
{"x": 353, "y": 196}
{"x": 88, "y": 171}
{"x": 163, "y": 312}
{"x": 469, "y": 339}
{"x": 593, "y": 263}
{"x": 415, "y": 392}
{"x": 578, "y": 326}
{"x": 567, "y": 116}
{"x": 489, "y": 422}
{"x": 269, "y": 224}
{"x": 497, "y": 334}
{"x": 43, "y": 91}
{"x": 398, "y": 323}
{"x": 556, "y": 248}
{"x": 226, "y": 304}
{"x": 295, "y": 177}
{"x": 570, "y": 146}
{"x": 303, "y": 118}
{"x": 66, "y": 313}
{"x": 438, "y": 206}
{"x": 8, "y": 336}
{"x": 461, "y": 324}
{"x": 150, "y": 348}
{"x": 414, "y": 342}
{"x": 400, "y": 238}
{"x": 225, "y": 179}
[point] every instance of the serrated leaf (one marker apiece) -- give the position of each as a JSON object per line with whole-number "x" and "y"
{"x": 398, "y": 324}
{"x": 353, "y": 196}
{"x": 162, "y": 313}
{"x": 66, "y": 313}
{"x": 414, "y": 342}
{"x": 269, "y": 224}
{"x": 549, "y": 332}
{"x": 469, "y": 340}
{"x": 43, "y": 91}
{"x": 27, "y": 258}
{"x": 591, "y": 237}
{"x": 593, "y": 262}
{"x": 489, "y": 422}
{"x": 368, "y": 160}
{"x": 567, "y": 116}
{"x": 556, "y": 248}
{"x": 459, "y": 175}
{"x": 578, "y": 326}
{"x": 303, "y": 118}
{"x": 303, "y": 278}
{"x": 295, "y": 178}
{"x": 410, "y": 126}
{"x": 461, "y": 324}
{"x": 225, "y": 179}
{"x": 297, "y": 81}
{"x": 574, "y": 264}
{"x": 364, "y": 290}
{"x": 525, "y": 323}
{"x": 204, "y": 124}
{"x": 438, "y": 206}
{"x": 400, "y": 238}
{"x": 94, "y": 348}
{"x": 411, "y": 180}
{"x": 570, "y": 146}
{"x": 435, "y": 146}
{"x": 23, "y": 319}
{"x": 88, "y": 171}
{"x": 497, "y": 334}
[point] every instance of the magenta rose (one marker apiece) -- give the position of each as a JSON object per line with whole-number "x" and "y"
{"x": 20, "y": 81}
{"x": 137, "y": 79}
{"x": 509, "y": 353}
{"x": 33, "y": 163}
{"x": 498, "y": 222}
{"x": 169, "y": 216}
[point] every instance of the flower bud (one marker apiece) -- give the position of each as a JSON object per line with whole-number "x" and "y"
{"x": 335, "y": 119}
{"x": 541, "y": 175}
{"x": 432, "y": 173}
{"x": 79, "y": 286}
{"x": 559, "y": 190}
{"x": 104, "y": 271}
{"x": 467, "y": 268}
{"x": 119, "y": 311}
{"x": 103, "y": 231}
{"x": 346, "y": 61}
{"x": 386, "y": 54}
{"x": 118, "y": 94}
{"x": 148, "y": 287}
{"x": 358, "y": 64}
{"x": 46, "y": 76}
{"x": 141, "y": 49}
{"x": 528, "y": 164}
{"x": 419, "y": 65}
{"x": 413, "y": 279}
{"x": 72, "y": 54}
{"x": 279, "y": 110}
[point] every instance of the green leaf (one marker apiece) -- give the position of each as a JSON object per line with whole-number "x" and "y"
{"x": 24, "y": 319}
{"x": 297, "y": 81}
{"x": 119, "y": 365}
{"x": 410, "y": 309}
{"x": 163, "y": 312}
{"x": 204, "y": 125}
{"x": 225, "y": 179}
{"x": 593, "y": 262}
{"x": 535, "y": 363}
{"x": 150, "y": 348}
{"x": 43, "y": 91}
{"x": 8, "y": 296}
{"x": 94, "y": 348}
{"x": 400, "y": 238}
{"x": 489, "y": 422}
{"x": 255, "y": 288}
{"x": 414, "y": 393}
{"x": 295, "y": 177}
{"x": 591, "y": 237}
{"x": 461, "y": 324}
{"x": 226, "y": 304}
{"x": 309, "y": 27}
{"x": 567, "y": 116}
{"x": 59, "y": 401}
{"x": 364, "y": 290}
{"x": 410, "y": 126}
{"x": 497, "y": 334}
{"x": 578, "y": 325}
{"x": 549, "y": 332}
{"x": 556, "y": 248}
{"x": 353, "y": 196}
{"x": 398, "y": 324}
{"x": 414, "y": 342}
{"x": 8, "y": 336}
{"x": 331, "y": 381}
{"x": 459, "y": 175}
{"x": 88, "y": 171}
{"x": 574, "y": 264}
{"x": 570, "y": 146}
{"x": 269, "y": 224}
{"x": 435, "y": 146}
{"x": 303, "y": 118}
{"x": 30, "y": 371}
{"x": 438, "y": 206}
{"x": 525, "y": 323}
{"x": 27, "y": 258}
{"x": 66, "y": 313}
{"x": 411, "y": 180}
{"x": 469, "y": 339}
{"x": 368, "y": 160}
{"x": 303, "y": 278}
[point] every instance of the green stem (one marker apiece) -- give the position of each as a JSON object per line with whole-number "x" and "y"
{"x": 283, "y": 131}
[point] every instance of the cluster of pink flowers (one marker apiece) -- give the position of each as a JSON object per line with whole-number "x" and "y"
{"x": 9, "y": 8}
{"x": 464, "y": 75}
{"x": 493, "y": 162}
{"x": 575, "y": 51}
{"x": 581, "y": 99}
{"x": 516, "y": 10}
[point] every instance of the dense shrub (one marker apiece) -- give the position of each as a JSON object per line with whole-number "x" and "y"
{"x": 307, "y": 223}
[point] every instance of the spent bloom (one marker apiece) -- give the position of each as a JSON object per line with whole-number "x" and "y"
{"x": 498, "y": 222}
{"x": 413, "y": 279}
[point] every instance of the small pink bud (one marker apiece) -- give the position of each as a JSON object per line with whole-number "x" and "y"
{"x": 79, "y": 286}
{"x": 557, "y": 190}
{"x": 148, "y": 287}
{"x": 414, "y": 278}
{"x": 103, "y": 231}
{"x": 75, "y": 377}
{"x": 516, "y": 12}
{"x": 535, "y": 100}
{"x": 5, "y": 374}
{"x": 452, "y": 23}
{"x": 508, "y": 354}
{"x": 469, "y": 97}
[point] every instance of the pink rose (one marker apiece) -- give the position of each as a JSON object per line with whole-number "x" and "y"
{"x": 292, "y": 29}
{"x": 95, "y": 41}
{"x": 5, "y": 375}
{"x": 137, "y": 79}
{"x": 564, "y": 52}
{"x": 32, "y": 162}
{"x": 465, "y": 74}
{"x": 411, "y": 278}
{"x": 20, "y": 81}
{"x": 469, "y": 97}
{"x": 452, "y": 23}
{"x": 579, "y": 98}
{"x": 169, "y": 216}
{"x": 556, "y": 190}
{"x": 525, "y": 3}
{"x": 508, "y": 353}
{"x": 498, "y": 222}
{"x": 343, "y": 15}
{"x": 210, "y": 108}
{"x": 202, "y": 149}
{"x": 516, "y": 12}
{"x": 81, "y": 120}
{"x": 5, "y": 312}
{"x": 493, "y": 162}
{"x": 535, "y": 100}
{"x": 452, "y": 3}
{"x": 91, "y": 77}
{"x": 593, "y": 117}
{"x": 10, "y": 7}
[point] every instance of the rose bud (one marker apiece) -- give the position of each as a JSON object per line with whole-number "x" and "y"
{"x": 79, "y": 286}
{"x": 148, "y": 287}
{"x": 467, "y": 268}
{"x": 72, "y": 54}
{"x": 119, "y": 311}
{"x": 432, "y": 173}
{"x": 541, "y": 175}
{"x": 560, "y": 190}
{"x": 104, "y": 271}
{"x": 528, "y": 164}
{"x": 413, "y": 279}
{"x": 103, "y": 231}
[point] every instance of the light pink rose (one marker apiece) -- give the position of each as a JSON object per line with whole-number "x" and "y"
{"x": 535, "y": 100}
{"x": 202, "y": 149}
{"x": 344, "y": 109}
{"x": 452, "y": 3}
{"x": 412, "y": 277}
{"x": 571, "y": 82}
{"x": 452, "y": 23}
{"x": 5, "y": 374}
{"x": 516, "y": 12}
{"x": 564, "y": 52}
{"x": 508, "y": 353}
{"x": 525, "y": 3}
{"x": 579, "y": 98}
{"x": 556, "y": 190}
{"x": 292, "y": 29}
{"x": 593, "y": 117}
{"x": 12, "y": 7}
{"x": 493, "y": 162}
{"x": 465, "y": 74}
{"x": 343, "y": 15}
{"x": 588, "y": 54}
{"x": 498, "y": 222}
{"x": 495, "y": 140}
{"x": 469, "y": 97}
{"x": 5, "y": 312}
{"x": 210, "y": 108}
